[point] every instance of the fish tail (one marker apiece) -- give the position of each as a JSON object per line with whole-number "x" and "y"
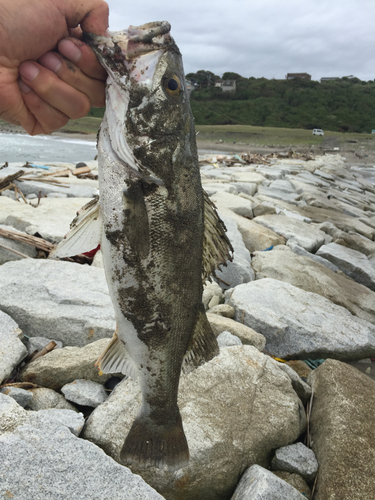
{"x": 149, "y": 444}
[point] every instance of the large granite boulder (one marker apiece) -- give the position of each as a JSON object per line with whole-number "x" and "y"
{"x": 12, "y": 350}
{"x": 236, "y": 409}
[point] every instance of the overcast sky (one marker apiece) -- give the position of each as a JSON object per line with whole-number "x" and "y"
{"x": 268, "y": 38}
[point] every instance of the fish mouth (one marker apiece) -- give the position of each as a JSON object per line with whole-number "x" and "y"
{"x": 131, "y": 43}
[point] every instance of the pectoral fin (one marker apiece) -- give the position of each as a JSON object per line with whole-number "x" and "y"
{"x": 85, "y": 232}
{"x": 217, "y": 249}
{"x": 115, "y": 359}
{"x": 203, "y": 345}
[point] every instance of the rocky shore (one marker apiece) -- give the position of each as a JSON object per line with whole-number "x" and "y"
{"x": 286, "y": 410}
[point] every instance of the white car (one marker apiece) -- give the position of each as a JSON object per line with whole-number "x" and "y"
{"x": 318, "y": 131}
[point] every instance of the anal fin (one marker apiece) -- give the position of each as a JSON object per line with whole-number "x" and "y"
{"x": 150, "y": 444}
{"x": 115, "y": 359}
{"x": 203, "y": 345}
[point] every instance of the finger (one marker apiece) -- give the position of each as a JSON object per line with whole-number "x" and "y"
{"x": 54, "y": 91}
{"x": 82, "y": 56}
{"x": 92, "y": 16}
{"x": 46, "y": 119}
{"x": 73, "y": 76}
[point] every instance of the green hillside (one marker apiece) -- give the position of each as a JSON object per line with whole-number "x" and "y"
{"x": 347, "y": 104}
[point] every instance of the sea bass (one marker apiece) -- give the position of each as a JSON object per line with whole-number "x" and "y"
{"x": 159, "y": 234}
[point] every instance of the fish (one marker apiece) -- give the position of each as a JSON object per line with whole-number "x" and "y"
{"x": 159, "y": 234}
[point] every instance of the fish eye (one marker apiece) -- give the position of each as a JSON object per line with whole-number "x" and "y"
{"x": 172, "y": 85}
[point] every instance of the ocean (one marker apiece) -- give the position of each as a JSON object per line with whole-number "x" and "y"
{"x": 44, "y": 148}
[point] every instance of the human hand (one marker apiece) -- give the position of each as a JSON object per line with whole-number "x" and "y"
{"x": 41, "y": 89}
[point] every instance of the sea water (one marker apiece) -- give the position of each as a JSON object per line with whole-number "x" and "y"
{"x": 45, "y": 148}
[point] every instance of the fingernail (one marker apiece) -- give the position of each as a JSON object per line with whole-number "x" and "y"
{"x": 51, "y": 61}
{"x": 70, "y": 50}
{"x": 29, "y": 71}
{"x": 23, "y": 87}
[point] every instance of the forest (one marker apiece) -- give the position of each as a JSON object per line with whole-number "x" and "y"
{"x": 343, "y": 105}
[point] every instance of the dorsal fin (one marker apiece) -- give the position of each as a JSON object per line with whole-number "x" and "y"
{"x": 217, "y": 248}
{"x": 85, "y": 232}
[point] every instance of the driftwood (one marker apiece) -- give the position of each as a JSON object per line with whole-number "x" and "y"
{"x": 34, "y": 241}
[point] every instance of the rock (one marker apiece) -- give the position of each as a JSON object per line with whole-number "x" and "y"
{"x": 239, "y": 270}
{"x": 247, "y": 335}
{"x": 249, "y": 188}
{"x": 284, "y": 265}
{"x": 51, "y": 219}
{"x": 56, "y": 299}
{"x": 74, "y": 190}
{"x": 226, "y": 339}
{"x": 44, "y": 399}
{"x": 235, "y": 409}
{"x": 342, "y": 431}
{"x": 263, "y": 208}
{"x": 22, "y": 396}
{"x": 73, "y": 420}
{"x": 260, "y": 484}
{"x": 85, "y": 392}
{"x": 222, "y": 310}
{"x": 237, "y": 204}
{"x": 356, "y": 242}
{"x": 299, "y": 324}
{"x": 38, "y": 343}
{"x": 296, "y": 458}
{"x": 278, "y": 194}
{"x": 63, "y": 466}
{"x": 62, "y": 366}
{"x": 12, "y": 350}
{"x": 296, "y": 481}
{"x": 255, "y": 236}
{"x": 212, "y": 294}
{"x": 8, "y": 255}
{"x": 303, "y": 234}
{"x": 316, "y": 258}
{"x": 302, "y": 389}
{"x": 11, "y": 415}
{"x": 354, "y": 264}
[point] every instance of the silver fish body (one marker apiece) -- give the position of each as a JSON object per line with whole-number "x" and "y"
{"x": 152, "y": 208}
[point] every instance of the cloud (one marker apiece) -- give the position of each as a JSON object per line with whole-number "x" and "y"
{"x": 269, "y": 38}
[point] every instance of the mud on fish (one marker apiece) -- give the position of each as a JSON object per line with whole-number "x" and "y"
{"x": 160, "y": 236}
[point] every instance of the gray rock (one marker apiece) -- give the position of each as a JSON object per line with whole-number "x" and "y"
{"x": 230, "y": 420}
{"x": 354, "y": 264}
{"x": 302, "y": 389}
{"x": 85, "y": 392}
{"x": 62, "y": 366}
{"x": 11, "y": 414}
{"x": 316, "y": 258}
{"x": 73, "y": 420}
{"x": 44, "y": 399}
{"x": 342, "y": 431}
{"x": 72, "y": 467}
{"x": 8, "y": 255}
{"x": 38, "y": 343}
{"x": 296, "y": 458}
{"x": 12, "y": 350}
{"x": 72, "y": 191}
{"x": 226, "y": 339}
{"x": 247, "y": 335}
{"x": 264, "y": 208}
{"x": 249, "y": 188}
{"x": 309, "y": 238}
{"x": 299, "y": 324}
{"x": 260, "y": 484}
{"x": 212, "y": 294}
{"x": 239, "y": 270}
{"x": 278, "y": 194}
{"x": 51, "y": 219}
{"x": 282, "y": 264}
{"x": 237, "y": 204}
{"x": 22, "y": 396}
{"x": 56, "y": 299}
{"x": 296, "y": 481}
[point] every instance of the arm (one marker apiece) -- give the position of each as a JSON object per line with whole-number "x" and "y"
{"x": 41, "y": 88}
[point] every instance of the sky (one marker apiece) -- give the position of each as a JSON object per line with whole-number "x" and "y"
{"x": 264, "y": 38}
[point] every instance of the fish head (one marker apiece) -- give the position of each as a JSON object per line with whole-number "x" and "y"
{"x": 147, "y": 107}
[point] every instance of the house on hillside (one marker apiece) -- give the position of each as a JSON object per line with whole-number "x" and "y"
{"x": 228, "y": 86}
{"x": 218, "y": 83}
{"x": 304, "y": 76}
